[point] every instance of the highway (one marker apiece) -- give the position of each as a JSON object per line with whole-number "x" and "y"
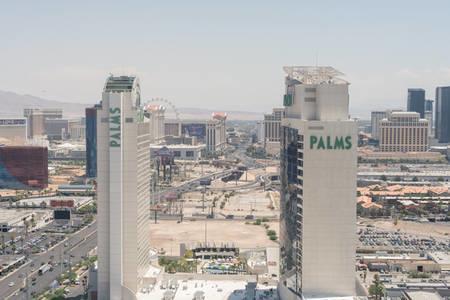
{"x": 189, "y": 185}
{"x": 70, "y": 250}
{"x": 239, "y": 153}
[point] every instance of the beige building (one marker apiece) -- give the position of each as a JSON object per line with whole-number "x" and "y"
{"x": 36, "y": 119}
{"x": 404, "y": 132}
{"x": 272, "y": 124}
{"x": 123, "y": 190}
{"x": 318, "y": 149}
{"x": 216, "y": 135}
{"x": 13, "y": 131}
{"x": 155, "y": 113}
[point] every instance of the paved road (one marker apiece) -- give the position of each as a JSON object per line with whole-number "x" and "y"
{"x": 71, "y": 249}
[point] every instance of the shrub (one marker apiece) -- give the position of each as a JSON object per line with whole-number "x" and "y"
{"x": 271, "y": 232}
{"x": 257, "y": 222}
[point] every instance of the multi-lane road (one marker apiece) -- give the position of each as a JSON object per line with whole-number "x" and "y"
{"x": 70, "y": 250}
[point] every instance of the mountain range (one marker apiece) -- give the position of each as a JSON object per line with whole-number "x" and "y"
{"x": 12, "y": 105}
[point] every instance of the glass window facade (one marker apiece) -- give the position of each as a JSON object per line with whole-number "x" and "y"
{"x": 23, "y": 167}
{"x": 91, "y": 142}
{"x": 291, "y": 209}
{"x": 416, "y": 101}
{"x": 443, "y": 114}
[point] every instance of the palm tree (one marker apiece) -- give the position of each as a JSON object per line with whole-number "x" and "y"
{"x": 377, "y": 288}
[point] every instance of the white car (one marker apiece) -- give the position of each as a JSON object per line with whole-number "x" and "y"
{"x": 11, "y": 284}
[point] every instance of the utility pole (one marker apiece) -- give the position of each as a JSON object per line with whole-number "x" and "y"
{"x": 181, "y": 213}
{"x": 60, "y": 259}
{"x": 203, "y": 198}
{"x": 27, "y": 254}
{"x": 206, "y": 230}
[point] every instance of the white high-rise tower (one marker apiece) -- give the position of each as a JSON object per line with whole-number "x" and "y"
{"x": 318, "y": 186}
{"x": 123, "y": 162}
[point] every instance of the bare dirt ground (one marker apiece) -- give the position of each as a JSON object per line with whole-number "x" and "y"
{"x": 167, "y": 234}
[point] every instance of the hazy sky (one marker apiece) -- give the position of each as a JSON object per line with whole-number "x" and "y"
{"x": 225, "y": 55}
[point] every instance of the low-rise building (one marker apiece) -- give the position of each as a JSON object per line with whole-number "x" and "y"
{"x": 183, "y": 152}
{"x": 13, "y": 130}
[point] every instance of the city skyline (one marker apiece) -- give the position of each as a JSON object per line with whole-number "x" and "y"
{"x": 213, "y": 61}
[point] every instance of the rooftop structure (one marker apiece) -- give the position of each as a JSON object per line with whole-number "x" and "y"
{"x": 314, "y": 75}
{"x": 219, "y": 115}
{"x": 120, "y": 84}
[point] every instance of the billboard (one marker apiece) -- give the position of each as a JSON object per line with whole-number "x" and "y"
{"x": 194, "y": 129}
{"x": 62, "y": 203}
{"x": 61, "y": 214}
{"x": 9, "y": 122}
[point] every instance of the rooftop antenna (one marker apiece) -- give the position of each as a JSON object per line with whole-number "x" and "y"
{"x": 317, "y": 58}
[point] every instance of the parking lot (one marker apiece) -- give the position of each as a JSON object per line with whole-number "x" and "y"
{"x": 36, "y": 240}
{"x": 378, "y": 239}
{"x": 16, "y": 243}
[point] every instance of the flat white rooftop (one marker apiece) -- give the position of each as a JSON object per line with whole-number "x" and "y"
{"x": 78, "y": 200}
{"x": 442, "y": 258}
{"x": 210, "y": 289}
{"x": 336, "y": 298}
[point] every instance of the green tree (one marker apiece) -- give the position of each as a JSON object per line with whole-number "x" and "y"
{"x": 376, "y": 289}
{"x": 383, "y": 177}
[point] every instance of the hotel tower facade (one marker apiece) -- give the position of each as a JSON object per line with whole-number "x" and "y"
{"x": 318, "y": 186}
{"x": 123, "y": 176}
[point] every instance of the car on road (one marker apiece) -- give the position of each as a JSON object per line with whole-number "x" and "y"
{"x": 11, "y": 284}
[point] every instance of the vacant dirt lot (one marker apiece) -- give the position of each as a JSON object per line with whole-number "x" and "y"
{"x": 168, "y": 234}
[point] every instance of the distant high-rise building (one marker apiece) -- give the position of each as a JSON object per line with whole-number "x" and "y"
{"x": 442, "y": 128}
{"x": 123, "y": 190}
{"x": 272, "y": 125}
{"x": 429, "y": 105}
{"x": 57, "y": 129}
{"x": 416, "y": 101}
{"x": 404, "y": 132}
{"x": 211, "y": 132}
{"x": 23, "y": 167}
{"x": 260, "y": 131}
{"x": 216, "y": 135}
{"x": 91, "y": 141}
{"x": 13, "y": 131}
{"x": 375, "y": 118}
{"x": 155, "y": 113}
{"x": 318, "y": 186}
{"x": 36, "y": 119}
{"x": 429, "y": 115}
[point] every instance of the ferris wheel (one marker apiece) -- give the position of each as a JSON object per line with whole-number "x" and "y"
{"x": 165, "y": 103}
